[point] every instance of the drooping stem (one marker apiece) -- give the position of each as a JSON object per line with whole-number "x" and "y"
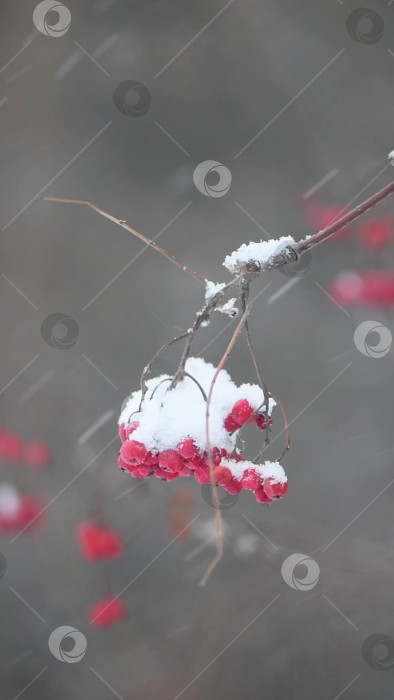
{"x": 215, "y": 499}
{"x": 125, "y": 225}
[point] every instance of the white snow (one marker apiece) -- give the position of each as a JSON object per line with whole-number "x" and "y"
{"x": 168, "y": 417}
{"x": 229, "y": 308}
{"x": 259, "y": 252}
{"x": 9, "y": 500}
{"x": 212, "y": 288}
{"x": 267, "y": 470}
{"x": 391, "y": 157}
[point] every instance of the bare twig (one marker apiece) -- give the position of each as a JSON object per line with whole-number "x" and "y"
{"x": 215, "y": 499}
{"x": 128, "y": 228}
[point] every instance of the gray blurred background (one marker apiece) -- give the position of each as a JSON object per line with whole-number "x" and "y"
{"x": 323, "y": 104}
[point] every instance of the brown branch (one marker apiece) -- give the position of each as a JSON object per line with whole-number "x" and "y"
{"x": 354, "y": 214}
{"x": 128, "y": 228}
{"x": 219, "y": 539}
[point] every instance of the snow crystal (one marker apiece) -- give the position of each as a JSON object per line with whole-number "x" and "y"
{"x": 267, "y": 470}
{"x": 168, "y": 417}
{"x": 212, "y": 288}
{"x": 259, "y": 252}
{"x": 229, "y": 308}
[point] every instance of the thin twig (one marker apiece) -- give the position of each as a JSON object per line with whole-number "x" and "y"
{"x": 128, "y": 228}
{"x": 215, "y": 499}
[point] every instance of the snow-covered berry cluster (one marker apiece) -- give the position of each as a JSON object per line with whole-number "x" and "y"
{"x": 164, "y": 433}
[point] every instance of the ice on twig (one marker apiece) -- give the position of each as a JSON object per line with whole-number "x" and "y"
{"x": 259, "y": 252}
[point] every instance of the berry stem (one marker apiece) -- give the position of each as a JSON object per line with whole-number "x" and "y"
{"x": 128, "y": 228}
{"x": 215, "y": 499}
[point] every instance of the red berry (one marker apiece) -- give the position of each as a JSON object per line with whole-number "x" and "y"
{"x": 164, "y": 474}
{"x": 202, "y": 475}
{"x": 274, "y": 489}
{"x": 150, "y": 460}
{"x": 261, "y": 422}
{"x": 233, "y": 487}
{"x": 133, "y": 452}
{"x": 241, "y": 412}
{"x": 170, "y": 460}
{"x": 125, "y": 429}
{"x": 98, "y": 542}
{"x": 261, "y": 496}
{"x": 188, "y": 449}
{"x": 222, "y": 475}
{"x": 11, "y": 447}
{"x": 230, "y": 424}
{"x": 251, "y": 480}
{"x": 36, "y": 454}
{"x": 107, "y": 612}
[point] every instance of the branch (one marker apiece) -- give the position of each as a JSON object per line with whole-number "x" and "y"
{"x": 128, "y": 228}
